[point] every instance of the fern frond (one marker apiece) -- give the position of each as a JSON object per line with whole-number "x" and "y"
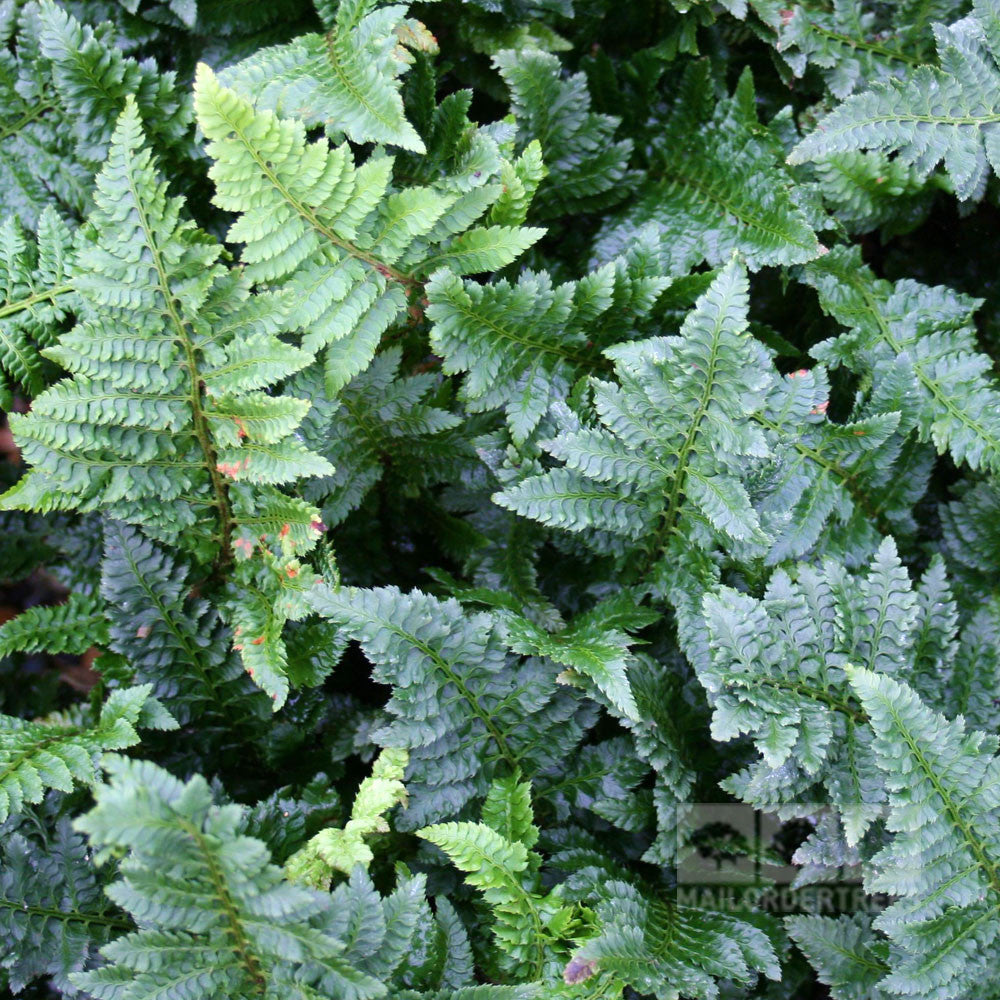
{"x": 382, "y": 423}
{"x": 587, "y": 169}
{"x": 35, "y": 756}
{"x": 524, "y": 345}
{"x": 854, "y": 46}
{"x": 845, "y": 952}
{"x": 336, "y": 850}
{"x": 776, "y": 672}
{"x": 72, "y": 627}
{"x": 346, "y": 79}
{"x": 918, "y": 344}
{"x": 37, "y": 292}
{"x": 593, "y": 645}
{"x": 214, "y": 914}
{"x": 824, "y": 471}
{"x": 717, "y": 185}
{"x": 650, "y": 461}
{"x": 668, "y": 950}
{"x": 528, "y": 924}
{"x": 347, "y": 250}
{"x": 172, "y": 641}
{"x": 54, "y": 915}
{"x": 944, "y": 859}
{"x": 949, "y": 112}
{"x": 92, "y": 80}
{"x": 135, "y": 431}
{"x": 457, "y": 694}
{"x": 38, "y": 165}
{"x": 870, "y": 190}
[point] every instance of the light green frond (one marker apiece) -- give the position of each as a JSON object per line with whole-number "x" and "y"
{"x": 159, "y": 316}
{"x": 340, "y": 850}
{"x": 345, "y": 79}
{"x": 347, "y": 249}
{"x": 35, "y": 756}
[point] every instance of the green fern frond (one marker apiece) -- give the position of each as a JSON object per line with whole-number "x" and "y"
{"x": 825, "y": 472}
{"x": 158, "y": 366}
{"x": 524, "y": 345}
{"x": 944, "y": 859}
{"x": 336, "y": 850}
{"x": 455, "y": 690}
{"x": 851, "y": 44}
{"x": 949, "y": 112}
{"x": 92, "y": 80}
{"x": 169, "y": 639}
{"x": 587, "y": 169}
{"x": 776, "y": 673}
{"x": 347, "y": 250}
{"x": 37, "y": 293}
{"x": 529, "y": 925}
{"x": 845, "y": 952}
{"x": 35, "y": 756}
{"x": 54, "y": 915}
{"x": 649, "y": 466}
{"x": 382, "y": 424}
{"x": 218, "y": 917}
{"x": 717, "y": 186}
{"x": 918, "y": 344}
{"x": 346, "y": 79}
{"x": 670, "y": 951}
{"x": 72, "y": 627}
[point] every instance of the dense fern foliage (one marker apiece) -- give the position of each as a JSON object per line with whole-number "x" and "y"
{"x": 499, "y": 499}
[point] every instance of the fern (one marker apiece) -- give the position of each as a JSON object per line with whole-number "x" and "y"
{"x": 853, "y": 44}
{"x": 35, "y": 756}
{"x": 386, "y": 424}
{"x": 341, "y": 850}
{"x": 496, "y": 857}
{"x": 524, "y": 345}
{"x": 917, "y": 344}
{"x": 36, "y": 297}
{"x": 946, "y": 112}
{"x": 220, "y": 918}
{"x": 670, "y": 951}
{"x": 776, "y": 672}
{"x": 72, "y": 627}
{"x": 586, "y": 169}
{"x": 170, "y": 397}
{"x": 717, "y": 185}
{"x": 942, "y": 810}
{"x": 62, "y": 94}
{"x": 344, "y": 79}
{"x": 394, "y": 592}
{"x": 347, "y": 251}
{"x": 648, "y": 467}
{"x": 845, "y": 952}
{"x": 454, "y": 688}
{"x": 53, "y": 913}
